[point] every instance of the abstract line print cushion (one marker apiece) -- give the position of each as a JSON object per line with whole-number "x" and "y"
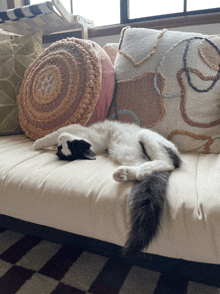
{"x": 66, "y": 84}
{"x": 15, "y": 57}
{"x": 169, "y": 81}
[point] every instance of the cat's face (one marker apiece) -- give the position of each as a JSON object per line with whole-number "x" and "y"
{"x": 71, "y": 148}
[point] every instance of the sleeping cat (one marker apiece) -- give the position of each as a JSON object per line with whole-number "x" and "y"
{"x": 144, "y": 157}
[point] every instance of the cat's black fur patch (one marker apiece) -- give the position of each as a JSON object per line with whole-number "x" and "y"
{"x": 78, "y": 149}
{"x": 147, "y": 200}
{"x": 144, "y": 150}
{"x": 174, "y": 156}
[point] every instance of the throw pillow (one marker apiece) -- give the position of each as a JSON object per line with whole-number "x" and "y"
{"x": 66, "y": 84}
{"x": 111, "y": 49}
{"x": 15, "y": 57}
{"x": 169, "y": 81}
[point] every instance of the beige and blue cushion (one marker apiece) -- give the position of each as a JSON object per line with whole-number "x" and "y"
{"x": 169, "y": 81}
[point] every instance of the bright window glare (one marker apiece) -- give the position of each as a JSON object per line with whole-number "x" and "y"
{"x": 99, "y": 11}
{"x": 66, "y": 3}
{"x": 143, "y": 8}
{"x": 198, "y": 4}
{"x": 103, "y": 12}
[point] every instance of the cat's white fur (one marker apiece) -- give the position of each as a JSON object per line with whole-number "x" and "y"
{"x": 122, "y": 140}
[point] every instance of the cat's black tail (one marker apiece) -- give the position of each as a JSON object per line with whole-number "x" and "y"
{"x": 146, "y": 200}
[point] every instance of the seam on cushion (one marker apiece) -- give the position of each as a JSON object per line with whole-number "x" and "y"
{"x": 199, "y": 209}
{"x": 122, "y": 36}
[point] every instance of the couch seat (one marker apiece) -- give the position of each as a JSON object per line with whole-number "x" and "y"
{"x": 81, "y": 197}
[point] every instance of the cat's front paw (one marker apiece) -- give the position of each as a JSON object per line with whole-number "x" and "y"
{"x": 37, "y": 144}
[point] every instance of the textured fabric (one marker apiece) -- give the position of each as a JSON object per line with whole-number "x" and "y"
{"x": 28, "y": 19}
{"x": 15, "y": 57}
{"x": 65, "y": 85}
{"x": 81, "y": 197}
{"x": 30, "y": 265}
{"x": 111, "y": 49}
{"x": 108, "y": 83}
{"x": 181, "y": 70}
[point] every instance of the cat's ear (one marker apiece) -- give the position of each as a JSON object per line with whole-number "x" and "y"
{"x": 88, "y": 153}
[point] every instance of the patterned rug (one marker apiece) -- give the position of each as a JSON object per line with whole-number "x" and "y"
{"x": 31, "y": 265}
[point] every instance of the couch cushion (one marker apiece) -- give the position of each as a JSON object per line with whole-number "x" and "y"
{"x": 72, "y": 81}
{"x": 15, "y": 57}
{"x": 81, "y": 197}
{"x": 169, "y": 81}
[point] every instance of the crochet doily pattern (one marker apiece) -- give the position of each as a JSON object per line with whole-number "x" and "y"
{"x": 60, "y": 87}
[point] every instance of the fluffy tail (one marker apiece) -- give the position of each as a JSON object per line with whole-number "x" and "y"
{"x": 147, "y": 200}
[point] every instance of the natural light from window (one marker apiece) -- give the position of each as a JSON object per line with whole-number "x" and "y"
{"x": 104, "y": 12}
{"x": 101, "y": 12}
{"x": 198, "y": 4}
{"x": 141, "y": 8}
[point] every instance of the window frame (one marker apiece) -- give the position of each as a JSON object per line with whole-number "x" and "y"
{"x": 183, "y": 19}
{"x": 124, "y": 13}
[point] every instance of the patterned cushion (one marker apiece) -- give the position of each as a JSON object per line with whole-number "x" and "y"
{"x": 15, "y": 56}
{"x": 169, "y": 81}
{"x": 66, "y": 84}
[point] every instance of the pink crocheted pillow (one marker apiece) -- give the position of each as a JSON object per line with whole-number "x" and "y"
{"x": 72, "y": 81}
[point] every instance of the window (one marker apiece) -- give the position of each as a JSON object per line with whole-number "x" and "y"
{"x": 198, "y": 4}
{"x": 101, "y": 12}
{"x": 138, "y": 10}
{"x": 66, "y": 3}
{"x": 104, "y": 12}
{"x": 141, "y": 8}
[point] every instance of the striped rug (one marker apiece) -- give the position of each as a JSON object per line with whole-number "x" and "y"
{"x": 31, "y": 265}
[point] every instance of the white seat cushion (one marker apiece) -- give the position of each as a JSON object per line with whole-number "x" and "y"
{"x": 81, "y": 197}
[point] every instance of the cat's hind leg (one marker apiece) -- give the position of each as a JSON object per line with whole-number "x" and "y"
{"x": 162, "y": 156}
{"x": 132, "y": 173}
{"x": 162, "y": 153}
{"x": 148, "y": 168}
{"x": 125, "y": 173}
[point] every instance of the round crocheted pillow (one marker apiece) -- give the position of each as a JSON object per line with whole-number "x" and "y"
{"x": 60, "y": 87}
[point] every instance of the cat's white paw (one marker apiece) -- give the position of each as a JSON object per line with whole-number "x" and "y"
{"x": 125, "y": 173}
{"x": 37, "y": 144}
{"x": 120, "y": 175}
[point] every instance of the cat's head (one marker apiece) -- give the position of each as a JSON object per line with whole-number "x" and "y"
{"x": 71, "y": 147}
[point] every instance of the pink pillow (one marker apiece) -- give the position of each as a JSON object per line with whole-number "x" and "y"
{"x": 107, "y": 89}
{"x": 111, "y": 49}
{"x": 71, "y": 82}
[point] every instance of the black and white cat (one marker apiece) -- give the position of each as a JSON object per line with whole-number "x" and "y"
{"x": 144, "y": 157}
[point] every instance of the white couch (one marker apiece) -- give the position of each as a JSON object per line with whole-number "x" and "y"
{"x": 81, "y": 197}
